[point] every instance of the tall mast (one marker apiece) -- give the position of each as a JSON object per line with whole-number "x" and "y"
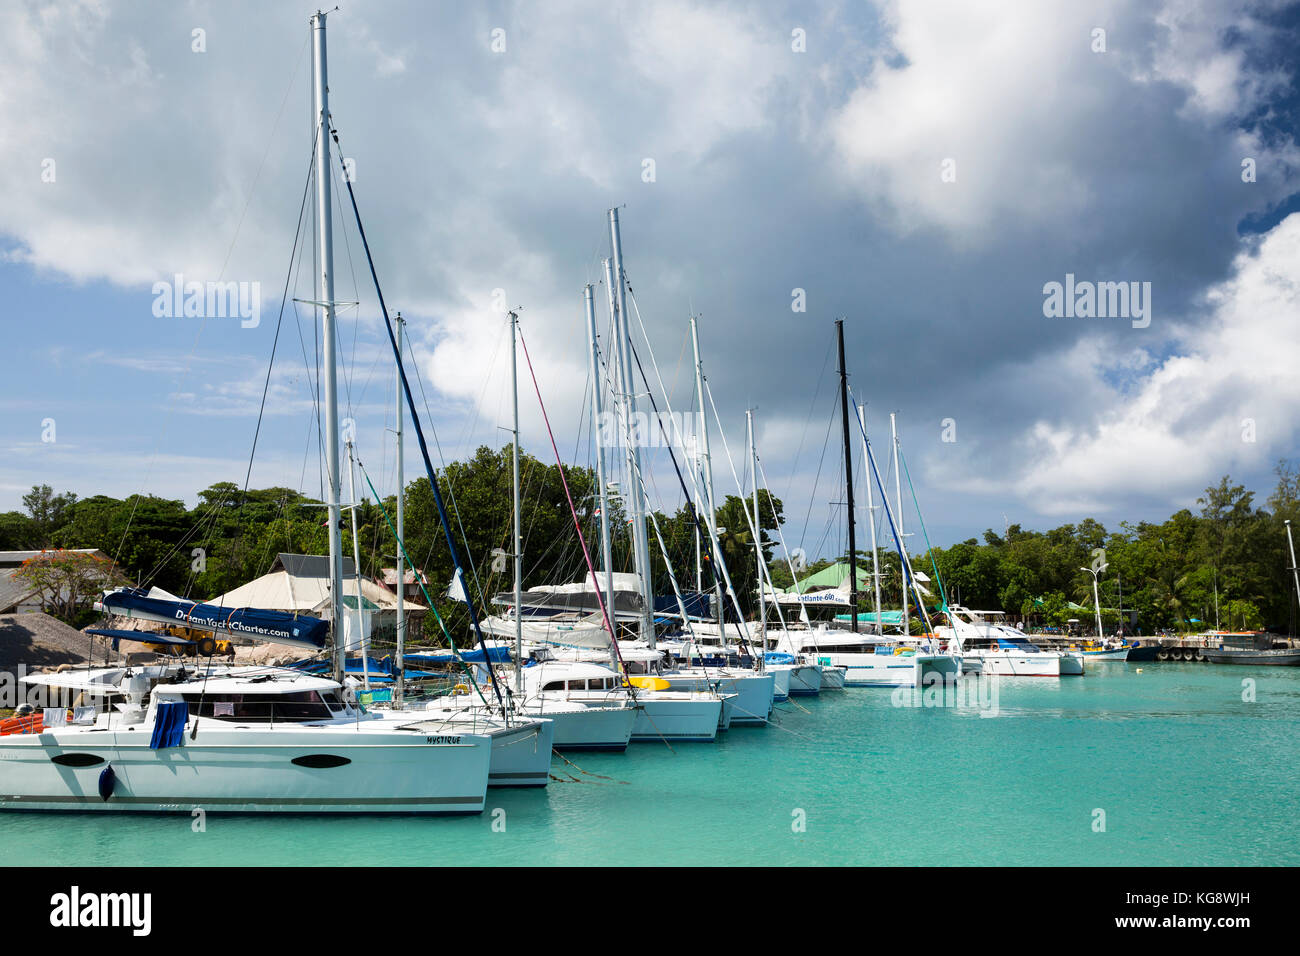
{"x": 758, "y": 529}
{"x": 898, "y": 498}
{"x": 871, "y": 520}
{"x": 706, "y": 468}
{"x": 325, "y": 301}
{"x": 635, "y": 495}
{"x": 597, "y": 416}
{"x": 848, "y": 475}
{"x": 518, "y": 547}
{"x": 1295, "y": 575}
{"x": 356, "y": 572}
{"x": 399, "y": 664}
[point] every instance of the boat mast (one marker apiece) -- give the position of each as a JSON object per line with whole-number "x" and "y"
{"x": 325, "y": 301}
{"x": 848, "y": 476}
{"x": 356, "y": 572}
{"x": 1096, "y": 600}
{"x": 758, "y": 529}
{"x": 1295, "y": 575}
{"x": 597, "y": 415}
{"x": 706, "y": 471}
{"x": 902, "y": 537}
{"x": 635, "y": 494}
{"x": 871, "y": 520}
{"x": 518, "y": 540}
{"x": 399, "y": 664}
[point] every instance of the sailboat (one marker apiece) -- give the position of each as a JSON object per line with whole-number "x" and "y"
{"x": 177, "y": 737}
{"x": 566, "y": 726}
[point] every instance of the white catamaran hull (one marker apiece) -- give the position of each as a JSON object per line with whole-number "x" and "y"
{"x": 688, "y": 719}
{"x": 833, "y": 677}
{"x": 780, "y": 684}
{"x": 327, "y": 769}
{"x": 591, "y": 728}
{"x": 1012, "y": 664}
{"x": 754, "y": 692}
{"x": 521, "y": 750}
{"x": 804, "y": 679}
{"x": 892, "y": 670}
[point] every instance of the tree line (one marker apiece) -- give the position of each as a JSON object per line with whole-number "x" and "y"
{"x": 1231, "y": 552}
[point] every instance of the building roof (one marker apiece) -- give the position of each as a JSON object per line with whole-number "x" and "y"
{"x": 38, "y": 640}
{"x": 11, "y": 559}
{"x": 311, "y": 565}
{"x": 294, "y": 585}
{"x": 13, "y": 590}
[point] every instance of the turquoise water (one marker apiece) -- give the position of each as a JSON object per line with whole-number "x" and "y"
{"x": 1186, "y": 772}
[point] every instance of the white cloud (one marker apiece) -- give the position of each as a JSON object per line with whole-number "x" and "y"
{"x": 1182, "y": 426}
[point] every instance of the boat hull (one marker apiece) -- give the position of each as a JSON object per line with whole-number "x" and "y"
{"x": 892, "y": 670}
{"x": 754, "y": 692}
{"x": 1282, "y": 657}
{"x": 832, "y": 677}
{"x": 780, "y": 684}
{"x": 591, "y": 728}
{"x": 1013, "y": 664}
{"x": 249, "y": 770}
{"x": 1120, "y": 654}
{"x": 686, "y": 719}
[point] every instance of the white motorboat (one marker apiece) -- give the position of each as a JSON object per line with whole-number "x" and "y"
{"x": 868, "y": 660}
{"x": 660, "y": 714}
{"x": 996, "y": 650}
{"x": 173, "y": 739}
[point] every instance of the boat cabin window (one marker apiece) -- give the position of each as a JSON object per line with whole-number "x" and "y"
{"x": 596, "y": 683}
{"x": 263, "y": 708}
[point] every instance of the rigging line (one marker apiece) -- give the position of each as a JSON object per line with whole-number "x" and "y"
{"x": 928, "y": 549}
{"x": 419, "y": 578}
{"x": 708, "y": 552}
{"x": 794, "y": 580}
{"x": 203, "y": 323}
{"x": 905, "y": 563}
{"x": 749, "y": 520}
{"x": 812, "y": 407}
{"x": 265, "y": 386}
{"x": 600, "y": 595}
{"x": 424, "y": 448}
{"x": 721, "y": 563}
{"x": 451, "y": 488}
{"x": 803, "y": 534}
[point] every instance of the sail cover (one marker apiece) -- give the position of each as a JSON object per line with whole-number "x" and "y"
{"x": 277, "y": 627}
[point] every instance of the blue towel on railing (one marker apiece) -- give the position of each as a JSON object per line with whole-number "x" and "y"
{"x": 169, "y": 725}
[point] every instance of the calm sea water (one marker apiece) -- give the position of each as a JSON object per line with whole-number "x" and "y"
{"x": 1185, "y": 771}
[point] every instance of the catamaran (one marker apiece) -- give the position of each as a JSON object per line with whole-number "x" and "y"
{"x": 175, "y": 738}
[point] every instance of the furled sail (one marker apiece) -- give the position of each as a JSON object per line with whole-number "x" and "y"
{"x": 155, "y": 604}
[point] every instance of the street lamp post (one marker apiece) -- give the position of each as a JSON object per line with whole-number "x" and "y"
{"x": 1096, "y": 599}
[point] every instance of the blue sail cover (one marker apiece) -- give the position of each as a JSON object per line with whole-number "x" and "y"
{"x": 277, "y": 627}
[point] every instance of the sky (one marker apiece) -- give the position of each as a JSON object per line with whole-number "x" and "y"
{"x": 926, "y": 171}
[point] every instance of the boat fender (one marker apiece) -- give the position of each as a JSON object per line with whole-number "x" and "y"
{"x": 107, "y": 779}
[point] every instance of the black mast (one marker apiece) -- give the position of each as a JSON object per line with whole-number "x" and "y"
{"x": 848, "y": 475}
